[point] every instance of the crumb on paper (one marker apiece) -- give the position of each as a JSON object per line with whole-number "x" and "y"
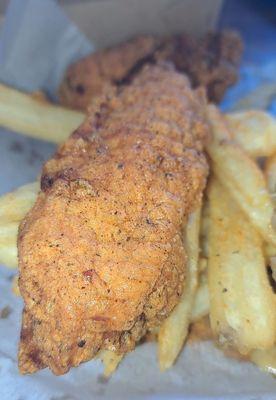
{"x": 5, "y": 312}
{"x": 34, "y": 157}
{"x": 16, "y": 147}
{"x": 103, "y": 379}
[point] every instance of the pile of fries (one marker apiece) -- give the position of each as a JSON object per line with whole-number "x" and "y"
{"x": 230, "y": 241}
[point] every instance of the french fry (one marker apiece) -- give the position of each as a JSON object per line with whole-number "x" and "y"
{"x": 241, "y": 176}
{"x": 174, "y": 330}
{"x": 265, "y": 359}
{"x": 110, "y": 360}
{"x": 33, "y": 117}
{"x": 242, "y": 303}
{"x": 254, "y": 131}
{"x": 13, "y": 207}
{"x": 201, "y": 304}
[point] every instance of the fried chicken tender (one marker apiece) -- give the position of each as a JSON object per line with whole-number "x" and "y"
{"x": 95, "y": 73}
{"x": 101, "y": 254}
{"x": 211, "y": 61}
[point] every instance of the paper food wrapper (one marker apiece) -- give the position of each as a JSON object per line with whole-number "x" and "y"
{"x": 37, "y": 42}
{"x": 110, "y": 22}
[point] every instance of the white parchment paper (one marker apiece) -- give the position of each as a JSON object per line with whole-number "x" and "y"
{"x": 36, "y": 45}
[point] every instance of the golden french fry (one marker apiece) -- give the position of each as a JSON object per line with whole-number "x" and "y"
{"x": 8, "y": 247}
{"x": 15, "y": 205}
{"x": 174, "y": 329}
{"x": 254, "y": 131}
{"x": 110, "y": 360}
{"x": 31, "y": 116}
{"x": 241, "y": 176}
{"x": 201, "y": 304}
{"x": 242, "y": 303}
{"x": 265, "y": 359}
{"x": 13, "y": 208}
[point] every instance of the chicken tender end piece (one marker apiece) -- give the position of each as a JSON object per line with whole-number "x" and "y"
{"x": 211, "y": 61}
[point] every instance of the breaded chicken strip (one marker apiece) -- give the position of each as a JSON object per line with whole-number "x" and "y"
{"x": 211, "y": 61}
{"x": 101, "y": 254}
{"x": 95, "y": 73}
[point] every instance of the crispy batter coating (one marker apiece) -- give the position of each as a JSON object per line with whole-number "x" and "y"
{"x": 101, "y": 254}
{"x": 211, "y": 61}
{"x": 95, "y": 73}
